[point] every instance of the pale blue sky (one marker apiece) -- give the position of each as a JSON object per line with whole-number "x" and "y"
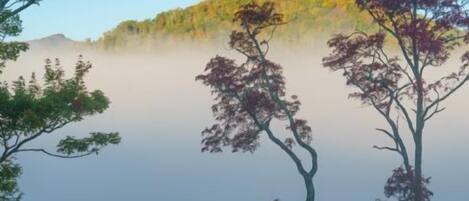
{"x": 81, "y": 19}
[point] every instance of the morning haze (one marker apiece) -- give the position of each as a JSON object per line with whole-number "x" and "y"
{"x": 160, "y": 110}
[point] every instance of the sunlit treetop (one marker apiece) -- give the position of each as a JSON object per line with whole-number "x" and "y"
{"x": 210, "y": 20}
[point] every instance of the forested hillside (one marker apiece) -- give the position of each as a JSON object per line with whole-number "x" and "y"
{"x": 210, "y": 20}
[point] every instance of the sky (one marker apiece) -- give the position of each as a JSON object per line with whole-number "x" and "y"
{"x": 81, "y": 19}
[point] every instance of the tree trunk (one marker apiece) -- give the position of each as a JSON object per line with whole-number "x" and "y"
{"x": 418, "y": 170}
{"x": 419, "y": 125}
{"x": 310, "y": 192}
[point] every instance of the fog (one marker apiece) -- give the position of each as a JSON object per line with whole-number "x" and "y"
{"x": 160, "y": 110}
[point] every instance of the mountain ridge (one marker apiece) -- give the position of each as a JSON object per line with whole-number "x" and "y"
{"x": 54, "y": 41}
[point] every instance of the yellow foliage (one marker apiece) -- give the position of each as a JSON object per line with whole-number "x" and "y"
{"x": 212, "y": 19}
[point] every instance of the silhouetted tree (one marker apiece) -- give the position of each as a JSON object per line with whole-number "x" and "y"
{"x": 396, "y": 85}
{"x": 29, "y": 110}
{"x": 249, "y": 96}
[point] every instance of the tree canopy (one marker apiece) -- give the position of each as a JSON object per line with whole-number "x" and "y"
{"x": 397, "y": 85}
{"x": 30, "y": 108}
{"x": 252, "y": 95}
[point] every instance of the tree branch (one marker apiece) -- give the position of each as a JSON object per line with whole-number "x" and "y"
{"x": 443, "y": 98}
{"x": 14, "y": 12}
{"x": 48, "y": 129}
{"x": 387, "y": 148}
{"x": 57, "y": 155}
{"x": 274, "y": 96}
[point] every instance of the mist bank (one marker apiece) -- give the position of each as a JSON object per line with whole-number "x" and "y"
{"x": 160, "y": 110}
{"x": 170, "y": 46}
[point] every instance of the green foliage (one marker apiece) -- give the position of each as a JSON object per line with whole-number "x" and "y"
{"x": 212, "y": 19}
{"x": 92, "y": 144}
{"x": 9, "y": 172}
{"x": 29, "y": 109}
{"x": 11, "y": 8}
{"x": 10, "y": 51}
{"x": 10, "y": 27}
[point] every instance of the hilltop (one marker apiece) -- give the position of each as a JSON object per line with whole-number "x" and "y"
{"x": 211, "y": 20}
{"x": 55, "y": 41}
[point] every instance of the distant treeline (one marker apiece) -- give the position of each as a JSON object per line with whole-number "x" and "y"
{"x": 210, "y": 19}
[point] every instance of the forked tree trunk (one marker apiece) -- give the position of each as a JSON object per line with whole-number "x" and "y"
{"x": 310, "y": 191}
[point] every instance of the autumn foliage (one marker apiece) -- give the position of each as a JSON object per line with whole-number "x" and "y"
{"x": 426, "y": 33}
{"x": 251, "y": 95}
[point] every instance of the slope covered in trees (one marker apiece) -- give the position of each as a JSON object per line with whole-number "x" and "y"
{"x": 211, "y": 19}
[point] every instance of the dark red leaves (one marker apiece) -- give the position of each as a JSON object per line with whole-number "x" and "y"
{"x": 246, "y": 140}
{"x": 352, "y": 47}
{"x": 429, "y": 26}
{"x": 303, "y": 130}
{"x": 253, "y": 14}
{"x": 425, "y": 33}
{"x": 424, "y": 38}
{"x": 365, "y": 66}
{"x": 224, "y": 74}
{"x": 250, "y": 95}
{"x": 400, "y": 186}
{"x": 254, "y": 18}
{"x": 241, "y": 94}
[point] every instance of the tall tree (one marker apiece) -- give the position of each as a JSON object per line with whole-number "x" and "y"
{"x": 426, "y": 33}
{"x": 249, "y": 96}
{"x": 29, "y": 110}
